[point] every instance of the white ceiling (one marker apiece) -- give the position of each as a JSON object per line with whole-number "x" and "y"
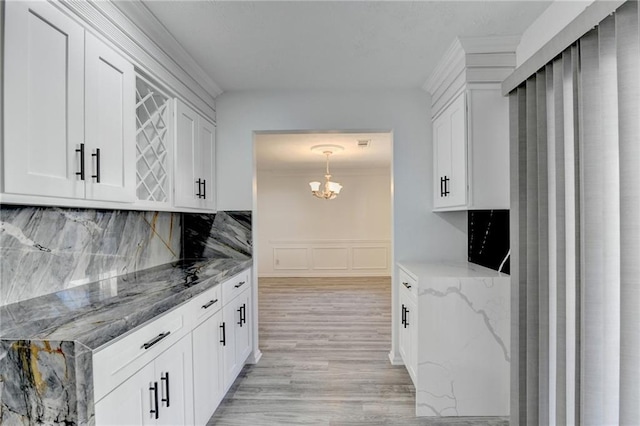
{"x": 292, "y": 151}
{"x": 269, "y": 45}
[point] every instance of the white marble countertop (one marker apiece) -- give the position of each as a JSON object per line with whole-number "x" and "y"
{"x": 449, "y": 269}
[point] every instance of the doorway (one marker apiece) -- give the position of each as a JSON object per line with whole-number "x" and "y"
{"x": 298, "y": 234}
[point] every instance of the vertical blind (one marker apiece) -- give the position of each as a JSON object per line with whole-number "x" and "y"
{"x": 575, "y": 229}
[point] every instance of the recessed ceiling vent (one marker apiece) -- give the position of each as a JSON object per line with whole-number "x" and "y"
{"x": 364, "y": 143}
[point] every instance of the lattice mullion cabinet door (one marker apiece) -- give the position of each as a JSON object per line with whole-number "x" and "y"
{"x": 154, "y": 144}
{"x": 44, "y": 85}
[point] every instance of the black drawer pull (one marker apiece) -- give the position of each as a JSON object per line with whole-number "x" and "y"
{"x": 154, "y": 399}
{"x": 81, "y": 172}
{"x": 204, "y": 189}
{"x": 224, "y": 337}
{"x": 211, "y": 302}
{"x": 240, "y": 316}
{"x": 165, "y": 379}
{"x": 155, "y": 340}
{"x": 240, "y": 284}
{"x": 97, "y": 175}
{"x": 407, "y": 285}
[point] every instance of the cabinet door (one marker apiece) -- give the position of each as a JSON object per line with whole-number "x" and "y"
{"x": 231, "y": 316}
{"x": 186, "y": 150}
{"x": 44, "y": 101}
{"x": 206, "y": 156}
{"x": 110, "y": 123}
{"x": 131, "y": 402}
{"x": 407, "y": 336}
{"x": 208, "y": 386}
{"x": 450, "y": 156}
{"x": 243, "y": 327}
{"x": 174, "y": 373}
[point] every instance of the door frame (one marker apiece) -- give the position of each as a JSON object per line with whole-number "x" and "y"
{"x": 255, "y": 356}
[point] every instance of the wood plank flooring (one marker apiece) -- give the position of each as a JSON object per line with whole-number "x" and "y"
{"x": 325, "y": 344}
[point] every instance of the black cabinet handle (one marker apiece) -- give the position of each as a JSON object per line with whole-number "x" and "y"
{"x": 224, "y": 337}
{"x": 406, "y": 317}
{"x": 240, "y": 320}
{"x": 81, "y": 172}
{"x": 211, "y": 302}
{"x": 407, "y": 285}
{"x": 240, "y": 284}
{"x": 165, "y": 379}
{"x": 154, "y": 399}
{"x": 204, "y": 189}
{"x": 97, "y": 175}
{"x": 446, "y": 186}
{"x": 199, "y": 194}
{"x": 244, "y": 313}
{"x": 155, "y": 340}
{"x": 441, "y": 186}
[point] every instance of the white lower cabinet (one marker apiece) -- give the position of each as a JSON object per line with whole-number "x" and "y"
{"x": 238, "y": 344}
{"x": 158, "y": 394}
{"x": 407, "y": 336}
{"x": 208, "y": 383}
{"x": 176, "y": 369}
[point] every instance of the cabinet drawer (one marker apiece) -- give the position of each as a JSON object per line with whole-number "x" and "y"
{"x": 234, "y": 286}
{"x": 118, "y": 361}
{"x": 408, "y": 283}
{"x": 205, "y": 305}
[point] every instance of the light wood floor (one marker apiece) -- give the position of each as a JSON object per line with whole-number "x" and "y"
{"x": 325, "y": 344}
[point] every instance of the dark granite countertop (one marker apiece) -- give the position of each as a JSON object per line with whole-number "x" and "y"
{"x": 96, "y": 313}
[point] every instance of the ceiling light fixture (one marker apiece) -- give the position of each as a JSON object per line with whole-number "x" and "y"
{"x": 331, "y": 189}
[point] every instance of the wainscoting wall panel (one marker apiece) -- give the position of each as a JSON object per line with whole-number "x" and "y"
{"x": 290, "y": 258}
{"x": 316, "y": 258}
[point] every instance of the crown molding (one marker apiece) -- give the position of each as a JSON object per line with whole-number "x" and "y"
{"x": 162, "y": 61}
{"x": 140, "y": 14}
{"x": 490, "y": 44}
{"x": 452, "y": 60}
{"x": 483, "y": 58}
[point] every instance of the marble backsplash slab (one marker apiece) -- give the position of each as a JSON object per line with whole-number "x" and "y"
{"x": 46, "y": 249}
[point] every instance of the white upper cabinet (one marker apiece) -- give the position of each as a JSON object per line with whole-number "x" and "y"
{"x": 110, "y": 123}
{"x": 44, "y": 101}
{"x": 69, "y": 109}
{"x": 89, "y": 113}
{"x": 450, "y": 154}
{"x": 471, "y": 125}
{"x": 195, "y": 159}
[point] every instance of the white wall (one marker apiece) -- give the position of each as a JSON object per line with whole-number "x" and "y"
{"x": 419, "y": 234}
{"x": 557, "y": 16}
{"x": 301, "y": 235}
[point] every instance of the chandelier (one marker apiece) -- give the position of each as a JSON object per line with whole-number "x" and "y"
{"x": 331, "y": 189}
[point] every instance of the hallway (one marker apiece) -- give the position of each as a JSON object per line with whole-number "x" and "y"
{"x": 325, "y": 344}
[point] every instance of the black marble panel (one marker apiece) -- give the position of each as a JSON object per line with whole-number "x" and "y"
{"x": 220, "y": 235}
{"x": 489, "y": 239}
